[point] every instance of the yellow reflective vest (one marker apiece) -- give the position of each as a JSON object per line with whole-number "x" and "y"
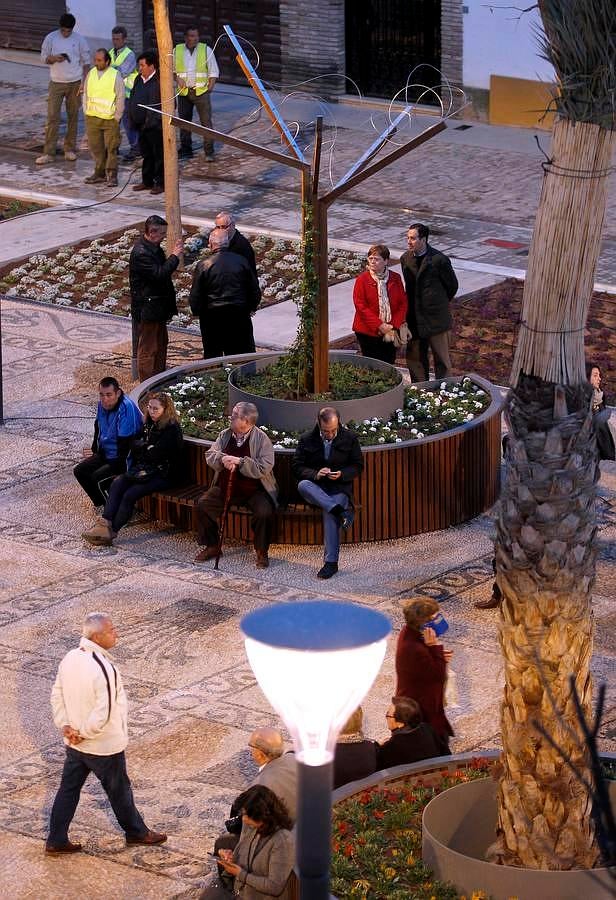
{"x": 201, "y": 69}
{"x": 117, "y": 58}
{"x": 100, "y": 93}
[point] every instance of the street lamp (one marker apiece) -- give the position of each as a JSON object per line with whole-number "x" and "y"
{"x": 315, "y": 661}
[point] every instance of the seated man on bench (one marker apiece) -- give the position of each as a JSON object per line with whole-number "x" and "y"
{"x": 326, "y": 461}
{"x": 247, "y": 452}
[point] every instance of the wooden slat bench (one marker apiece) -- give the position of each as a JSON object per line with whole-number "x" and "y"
{"x": 294, "y": 523}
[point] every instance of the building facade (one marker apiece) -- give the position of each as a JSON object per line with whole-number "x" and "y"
{"x": 377, "y": 48}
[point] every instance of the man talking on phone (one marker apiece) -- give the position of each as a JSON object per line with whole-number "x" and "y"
{"x": 326, "y": 462}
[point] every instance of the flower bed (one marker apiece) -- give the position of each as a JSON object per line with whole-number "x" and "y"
{"x": 94, "y": 274}
{"x": 9, "y": 207}
{"x": 201, "y": 401}
{"x": 377, "y": 838}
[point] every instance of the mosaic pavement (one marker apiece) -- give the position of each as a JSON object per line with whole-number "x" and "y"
{"x": 193, "y": 698}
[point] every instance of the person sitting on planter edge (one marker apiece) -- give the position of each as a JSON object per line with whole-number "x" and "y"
{"x": 380, "y": 308}
{"x": 118, "y": 421}
{"x": 421, "y": 665}
{"x": 601, "y": 415}
{"x": 411, "y": 739}
{"x": 153, "y": 464}
{"x": 326, "y": 462}
{"x": 247, "y": 452}
{"x": 355, "y": 755}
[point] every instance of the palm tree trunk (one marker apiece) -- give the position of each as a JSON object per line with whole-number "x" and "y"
{"x": 546, "y": 569}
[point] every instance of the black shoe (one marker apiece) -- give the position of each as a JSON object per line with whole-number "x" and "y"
{"x": 493, "y": 602}
{"x": 345, "y": 516}
{"x": 328, "y": 570}
{"x": 131, "y": 156}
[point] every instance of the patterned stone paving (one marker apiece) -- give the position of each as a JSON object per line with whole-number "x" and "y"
{"x": 193, "y": 697}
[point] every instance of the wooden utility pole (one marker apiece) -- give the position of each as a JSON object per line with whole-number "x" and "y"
{"x": 167, "y": 96}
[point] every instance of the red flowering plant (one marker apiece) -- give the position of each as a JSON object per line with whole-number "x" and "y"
{"x": 376, "y": 850}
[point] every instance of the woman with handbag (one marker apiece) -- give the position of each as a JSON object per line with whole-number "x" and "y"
{"x": 262, "y": 863}
{"x": 380, "y": 308}
{"x": 153, "y": 463}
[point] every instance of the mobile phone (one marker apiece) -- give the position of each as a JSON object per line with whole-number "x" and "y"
{"x": 438, "y": 624}
{"x": 66, "y": 57}
{"x": 335, "y": 473}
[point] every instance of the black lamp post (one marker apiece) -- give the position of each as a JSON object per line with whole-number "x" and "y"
{"x": 315, "y": 661}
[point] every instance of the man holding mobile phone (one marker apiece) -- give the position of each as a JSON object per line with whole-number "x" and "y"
{"x": 326, "y": 462}
{"x": 68, "y": 56}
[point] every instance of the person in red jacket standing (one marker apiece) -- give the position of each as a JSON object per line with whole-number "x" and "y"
{"x": 380, "y": 307}
{"x": 421, "y": 665}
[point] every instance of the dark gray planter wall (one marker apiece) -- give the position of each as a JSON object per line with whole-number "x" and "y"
{"x": 458, "y": 827}
{"x": 299, "y": 415}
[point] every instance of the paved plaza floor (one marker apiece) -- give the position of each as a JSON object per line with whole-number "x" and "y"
{"x": 192, "y": 695}
{"x": 193, "y": 699}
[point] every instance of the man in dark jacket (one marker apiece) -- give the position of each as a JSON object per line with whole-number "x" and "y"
{"x": 118, "y": 421}
{"x": 430, "y": 285}
{"x": 149, "y": 125}
{"x": 326, "y": 461}
{"x": 224, "y": 294}
{"x": 152, "y": 295}
{"x": 237, "y": 242}
{"x": 411, "y": 739}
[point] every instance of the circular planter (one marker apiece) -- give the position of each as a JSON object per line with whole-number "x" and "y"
{"x": 404, "y": 489}
{"x": 458, "y": 827}
{"x": 301, "y": 415}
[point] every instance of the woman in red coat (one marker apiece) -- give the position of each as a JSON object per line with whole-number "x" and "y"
{"x": 380, "y": 306}
{"x": 421, "y": 666}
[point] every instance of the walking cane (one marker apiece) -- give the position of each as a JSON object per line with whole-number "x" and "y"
{"x": 223, "y": 518}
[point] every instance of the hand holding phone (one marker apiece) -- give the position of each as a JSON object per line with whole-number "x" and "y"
{"x": 66, "y": 57}
{"x": 334, "y": 475}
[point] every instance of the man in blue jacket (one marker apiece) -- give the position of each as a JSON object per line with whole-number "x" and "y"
{"x": 326, "y": 462}
{"x": 118, "y": 422}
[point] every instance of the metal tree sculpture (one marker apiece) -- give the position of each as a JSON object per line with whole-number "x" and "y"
{"x": 312, "y": 344}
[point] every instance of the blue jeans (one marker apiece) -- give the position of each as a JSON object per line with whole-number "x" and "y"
{"x": 111, "y": 772}
{"x": 124, "y": 493}
{"x": 331, "y": 526}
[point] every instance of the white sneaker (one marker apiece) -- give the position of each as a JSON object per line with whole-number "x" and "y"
{"x": 43, "y": 160}
{"x": 70, "y": 156}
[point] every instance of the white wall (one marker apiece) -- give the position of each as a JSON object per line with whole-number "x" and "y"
{"x": 501, "y": 42}
{"x": 95, "y": 19}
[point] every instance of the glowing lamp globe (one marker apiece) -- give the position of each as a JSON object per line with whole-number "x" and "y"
{"x": 315, "y": 661}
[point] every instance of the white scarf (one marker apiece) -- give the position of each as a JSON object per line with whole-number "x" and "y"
{"x": 381, "y": 286}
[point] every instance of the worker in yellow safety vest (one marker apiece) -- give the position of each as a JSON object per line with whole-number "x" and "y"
{"x": 124, "y": 60}
{"x": 196, "y": 72}
{"x": 103, "y": 106}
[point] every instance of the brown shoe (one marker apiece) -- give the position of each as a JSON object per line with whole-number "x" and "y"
{"x": 100, "y": 534}
{"x": 94, "y": 179}
{"x": 492, "y": 603}
{"x": 157, "y": 189}
{"x": 205, "y": 554}
{"x": 150, "y": 837}
{"x": 112, "y": 179}
{"x": 142, "y": 187}
{"x": 63, "y": 848}
{"x": 262, "y": 559}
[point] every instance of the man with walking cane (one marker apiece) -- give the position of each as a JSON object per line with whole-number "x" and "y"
{"x": 243, "y": 455}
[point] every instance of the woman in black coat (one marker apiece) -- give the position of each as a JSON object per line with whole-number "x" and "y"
{"x": 355, "y": 755}
{"x": 153, "y": 464}
{"x": 605, "y": 441}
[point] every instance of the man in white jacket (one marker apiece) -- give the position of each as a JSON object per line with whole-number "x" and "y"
{"x": 90, "y": 709}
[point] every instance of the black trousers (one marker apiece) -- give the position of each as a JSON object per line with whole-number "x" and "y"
{"x": 376, "y": 348}
{"x": 226, "y": 331}
{"x": 124, "y": 493}
{"x": 94, "y": 474}
{"x": 209, "y": 509}
{"x": 151, "y": 146}
{"x": 111, "y": 772}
